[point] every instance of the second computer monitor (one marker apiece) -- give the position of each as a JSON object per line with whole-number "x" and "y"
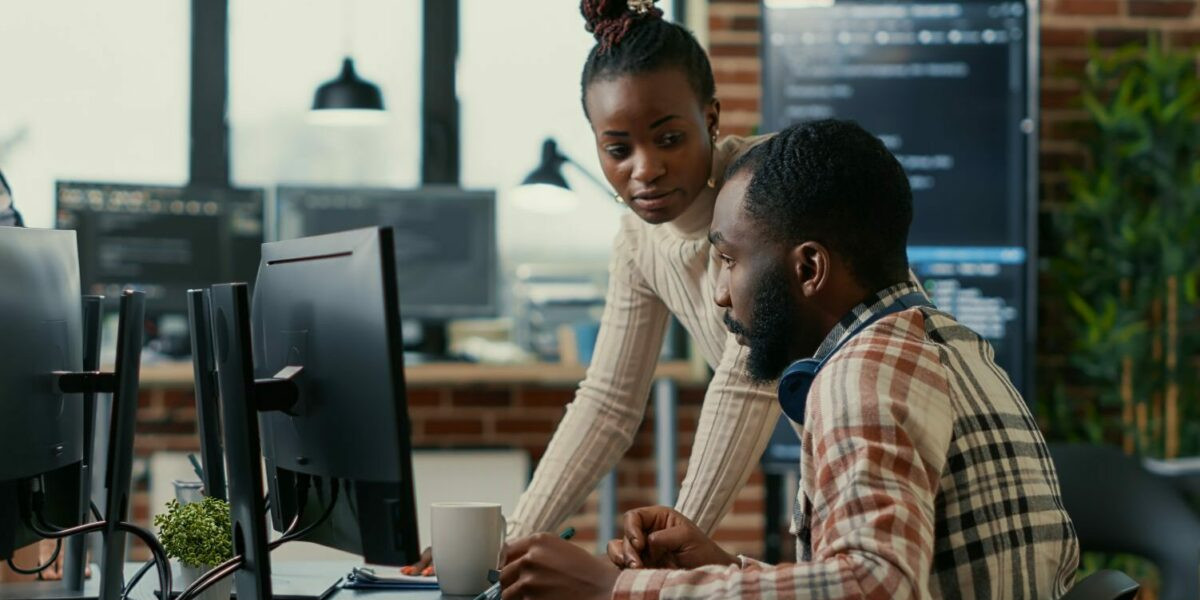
{"x": 329, "y": 305}
{"x": 445, "y": 238}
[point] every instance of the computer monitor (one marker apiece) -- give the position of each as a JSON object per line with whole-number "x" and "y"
{"x": 327, "y": 384}
{"x": 160, "y": 239}
{"x": 41, "y": 331}
{"x": 445, "y": 238}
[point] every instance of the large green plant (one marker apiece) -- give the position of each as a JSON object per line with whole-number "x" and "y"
{"x": 1127, "y": 261}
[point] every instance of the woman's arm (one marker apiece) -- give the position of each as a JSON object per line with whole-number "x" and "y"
{"x": 600, "y": 423}
{"x": 736, "y": 422}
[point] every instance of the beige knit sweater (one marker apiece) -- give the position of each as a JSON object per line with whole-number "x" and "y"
{"x": 656, "y": 271}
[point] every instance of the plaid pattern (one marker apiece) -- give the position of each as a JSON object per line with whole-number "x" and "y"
{"x": 923, "y": 476}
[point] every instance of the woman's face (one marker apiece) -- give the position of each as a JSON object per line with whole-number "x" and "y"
{"x": 654, "y": 138}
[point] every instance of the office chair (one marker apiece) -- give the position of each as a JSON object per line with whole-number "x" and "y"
{"x": 1104, "y": 585}
{"x": 1118, "y": 506}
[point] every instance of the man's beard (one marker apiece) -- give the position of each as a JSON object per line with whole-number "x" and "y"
{"x": 773, "y": 316}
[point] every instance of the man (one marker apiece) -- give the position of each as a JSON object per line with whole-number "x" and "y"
{"x": 922, "y": 472}
{"x": 8, "y": 213}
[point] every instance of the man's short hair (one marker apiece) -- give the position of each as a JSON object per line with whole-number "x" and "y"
{"x": 833, "y": 182}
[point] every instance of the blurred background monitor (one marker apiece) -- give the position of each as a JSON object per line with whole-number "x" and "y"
{"x": 162, "y": 240}
{"x": 445, "y": 239}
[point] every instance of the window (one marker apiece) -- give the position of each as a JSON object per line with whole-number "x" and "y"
{"x": 280, "y": 51}
{"x": 92, "y": 91}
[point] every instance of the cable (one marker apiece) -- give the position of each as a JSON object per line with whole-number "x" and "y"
{"x": 232, "y": 565}
{"x": 96, "y": 512}
{"x": 38, "y": 569}
{"x": 133, "y": 581}
{"x": 37, "y": 522}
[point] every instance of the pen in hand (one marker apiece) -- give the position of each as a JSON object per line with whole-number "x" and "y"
{"x": 493, "y": 593}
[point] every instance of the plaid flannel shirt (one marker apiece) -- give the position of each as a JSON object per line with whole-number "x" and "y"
{"x": 923, "y": 475}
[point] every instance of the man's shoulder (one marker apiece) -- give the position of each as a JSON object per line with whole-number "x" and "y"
{"x": 899, "y": 335}
{"x": 895, "y": 350}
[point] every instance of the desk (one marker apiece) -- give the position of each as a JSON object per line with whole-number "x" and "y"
{"x": 178, "y": 375}
{"x": 305, "y": 577}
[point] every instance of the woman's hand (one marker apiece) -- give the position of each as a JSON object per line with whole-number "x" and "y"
{"x": 658, "y": 537}
{"x": 423, "y": 567}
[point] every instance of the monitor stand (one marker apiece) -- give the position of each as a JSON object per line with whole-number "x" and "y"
{"x": 242, "y": 398}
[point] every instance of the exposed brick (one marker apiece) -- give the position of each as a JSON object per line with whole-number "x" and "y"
{"x": 424, "y": 397}
{"x": 178, "y": 398}
{"x": 545, "y": 397}
{"x": 1058, "y": 160}
{"x": 481, "y": 397}
{"x": 744, "y": 104}
{"x": 1162, "y": 8}
{"x": 1060, "y": 37}
{"x": 452, "y": 426}
{"x": 1088, "y": 7}
{"x": 165, "y": 428}
{"x": 1111, "y": 38}
{"x": 1059, "y": 98}
{"x": 1184, "y": 39}
{"x": 736, "y": 76}
{"x": 745, "y": 24}
{"x": 749, "y": 505}
{"x": 147, "y": 397}
{"x": 525, "y": 426}
{"x": 734, "y": 50}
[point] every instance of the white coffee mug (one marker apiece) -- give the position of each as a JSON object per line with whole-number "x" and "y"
{"x": 468, "y": 538}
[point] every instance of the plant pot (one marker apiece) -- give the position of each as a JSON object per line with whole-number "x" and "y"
{"x": 219, "y": 591}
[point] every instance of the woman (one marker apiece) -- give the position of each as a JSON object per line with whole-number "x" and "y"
{"x": 649, "y": 95}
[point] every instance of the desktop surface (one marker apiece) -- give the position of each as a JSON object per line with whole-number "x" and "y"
{"x": 307, "y": 579}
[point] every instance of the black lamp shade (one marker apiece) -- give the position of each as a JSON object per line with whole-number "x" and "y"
{"x": 348, "y": 92}
{"x": 549, "y": 170}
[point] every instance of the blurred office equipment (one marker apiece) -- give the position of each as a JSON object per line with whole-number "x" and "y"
{"x": 445, "y": 245}
{"x": 549, "y": 298}
{"x": 161, "y": 240}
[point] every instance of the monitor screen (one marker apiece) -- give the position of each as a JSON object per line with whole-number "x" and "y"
{"x": 946, "y": 86}
{"x": 162, "y": 240}
{"x": 445, "y": 238}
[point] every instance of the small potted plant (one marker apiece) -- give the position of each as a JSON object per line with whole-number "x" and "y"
{"x": 198, "y": 535}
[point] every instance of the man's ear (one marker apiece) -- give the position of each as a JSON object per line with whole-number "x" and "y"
{"x": 810, "y": 267}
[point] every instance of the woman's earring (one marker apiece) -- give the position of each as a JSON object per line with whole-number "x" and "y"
{"x": 618, "y": 199}
{"x": 712, "y": 183}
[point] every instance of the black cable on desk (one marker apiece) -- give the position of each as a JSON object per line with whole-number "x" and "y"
{"x": 36, "y": 521}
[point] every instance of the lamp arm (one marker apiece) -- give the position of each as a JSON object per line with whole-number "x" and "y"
{"x": 596, "y": 180}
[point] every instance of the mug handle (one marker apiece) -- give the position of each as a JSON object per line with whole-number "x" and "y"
{"x": 503, "y": 531}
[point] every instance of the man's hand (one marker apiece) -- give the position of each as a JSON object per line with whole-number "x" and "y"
{"x": 547, "y": 566}
{"x": 658, "y": 537}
